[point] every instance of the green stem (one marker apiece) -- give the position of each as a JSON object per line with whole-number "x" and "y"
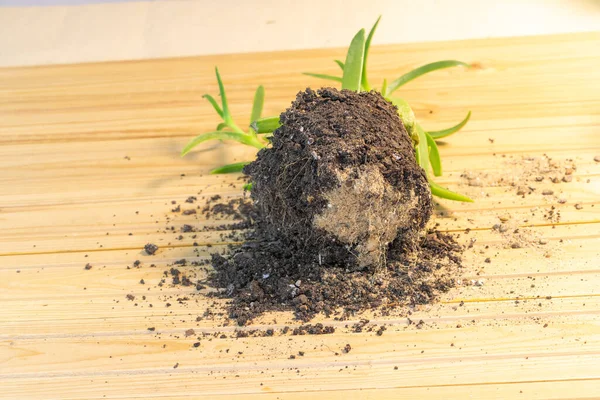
{"x": 252, "y": 140}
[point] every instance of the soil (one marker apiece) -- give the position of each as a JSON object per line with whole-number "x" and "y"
{"x": 336, "y": 223}
{"x": 341, "y": 179}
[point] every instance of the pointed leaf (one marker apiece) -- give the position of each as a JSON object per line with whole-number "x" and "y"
{"x": 248, "y": 186}
{"x": 365, "y": 82}
{"x": 341, "y": 64}
{"x": 324, "y": 76}
{"x": 221, "y": 126}
{"x": 222, "y": 135}
{"x": 384, "y": 87}
{"x": 266, "y": 125}
{"x": 257, "y": 105}
{"x": 434, "y": 156}
{"x": 444, "y": 193}
{"x": 417, "y": 72}
{"x": 226, "y": 114}
{"x": 214, "y": 103}
{"x": 450, "y": 131}
{"x": 354, "y": 62}
{"x": 230, "y": 168}
{"x": 422, "y": 150}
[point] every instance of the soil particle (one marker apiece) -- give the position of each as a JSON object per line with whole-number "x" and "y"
{"x": 190, "y": 332}
{"x": 347, "y": 349}
{"x": 316, "y": 329}
{"x": 358, "y": 327}
{"x": 150, "y": 248}
{"x": 88, "y": 266}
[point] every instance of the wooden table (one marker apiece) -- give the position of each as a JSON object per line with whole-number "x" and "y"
{"x": 90, "y": 165}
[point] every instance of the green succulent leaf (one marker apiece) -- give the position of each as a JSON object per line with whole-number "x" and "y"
{"x": 384, "y": 87}
{"x": 434, "y": 156}
{"x": 248, "y": 186}
{"x": 223, "y": 135}
{"x": 365, "y": 82}
{"x": 447, "y": 132}
{"x": 221, "y": 126}
{"x": 444, "y": 193}
{"x": 422, "y": 150}
{"x": 214, "y": 103}
{"x": 405, "y": 112}
{"x": 258, "y": 103}
{"x": 230, "y": 168}
{"x": 226, "y": 114}
{"x": 340, "y": 63}
{"x": 354, "y": 62}
{"x": 266, "y": 125}
{"x": 417, "y": 72}
{"x": 324, "y": 76}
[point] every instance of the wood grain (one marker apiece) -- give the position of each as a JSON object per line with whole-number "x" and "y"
{"x": 70, "y": 196}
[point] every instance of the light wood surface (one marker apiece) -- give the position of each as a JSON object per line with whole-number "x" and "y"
{"x": 69, "y": 196}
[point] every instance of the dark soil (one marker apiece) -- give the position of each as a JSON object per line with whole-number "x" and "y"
{"x": 336, "y": 223}
{"x": 150, "y": 248}
{"x": 341, "y": 179}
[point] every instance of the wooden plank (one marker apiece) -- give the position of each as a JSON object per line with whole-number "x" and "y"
{"x": 533, "y": 325}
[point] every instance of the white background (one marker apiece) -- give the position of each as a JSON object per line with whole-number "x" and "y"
{"x": 118, "y": 30}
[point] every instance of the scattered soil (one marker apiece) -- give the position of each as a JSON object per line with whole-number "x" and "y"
{"x": 542, "y": 178}
{"x": 336, "y": 223}
{"x": 526, "y": 175}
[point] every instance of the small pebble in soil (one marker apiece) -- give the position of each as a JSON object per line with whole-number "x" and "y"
{"x": 597, "y": 158}
{"x": 347, "y": 348}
